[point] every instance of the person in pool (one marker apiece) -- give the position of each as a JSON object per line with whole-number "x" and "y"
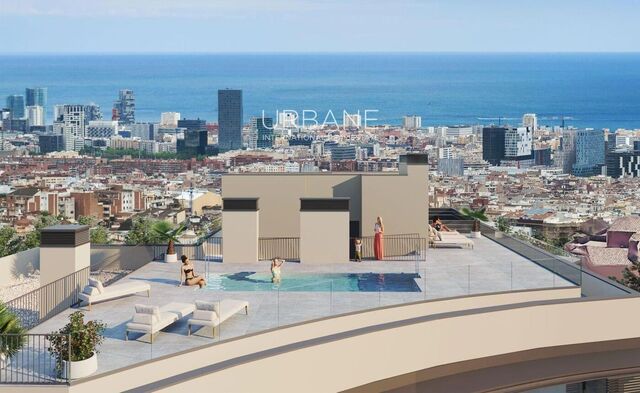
{"x": 276, "y": 263}
{"x": 188, "y": 275}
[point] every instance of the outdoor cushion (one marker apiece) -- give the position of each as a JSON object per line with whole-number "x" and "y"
{"x": 206, "y": 306}
{"x": 97, "y": 284}
{"x": 91, "y": 291}
{"x": 205, "y": 315}
{"x": 144, "y": 309}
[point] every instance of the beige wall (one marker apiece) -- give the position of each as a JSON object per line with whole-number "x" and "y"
{"x": 400, "y": 198}
{"x": 208, "y": 199}
{"x": 369, "y": 350}
{"x": 24, "y": 262}
{"x": 240, "y": 237}
{"x": 401, "y": 201}
{"x": 58, "y": 262}
{"x": 324, "y": 237}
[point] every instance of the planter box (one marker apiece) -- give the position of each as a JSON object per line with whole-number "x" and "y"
{"x": 476, "y": 235}
{"x": 171, "y": 258}
{"x": 80, "y": 369}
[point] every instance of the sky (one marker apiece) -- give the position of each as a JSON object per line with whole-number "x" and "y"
{"x": 161, "y": 26}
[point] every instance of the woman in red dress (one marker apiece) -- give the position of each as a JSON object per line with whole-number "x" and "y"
{"x": 378, "y": 247}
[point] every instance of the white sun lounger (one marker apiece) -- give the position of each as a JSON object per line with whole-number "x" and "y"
{"x": 151, "y": 319}
{"x": 448, "y": 239}
{"x": 212, "y": 314}
{"x": 96, "y": 292}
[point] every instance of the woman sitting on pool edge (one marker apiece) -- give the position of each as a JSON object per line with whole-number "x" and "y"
{"x": 188, "y": 275}
{"x": 275, "y": 270}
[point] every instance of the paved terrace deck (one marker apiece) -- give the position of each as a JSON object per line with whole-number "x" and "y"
{"x": 447, "y": 272}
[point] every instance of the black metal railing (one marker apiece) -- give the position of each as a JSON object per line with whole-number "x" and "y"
{"x": 29, "y": 362}
{"x": 282, "y": 247}
{"x": 37, "y": 306}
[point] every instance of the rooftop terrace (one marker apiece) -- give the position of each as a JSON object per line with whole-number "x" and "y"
{"x": 489, "y": 267}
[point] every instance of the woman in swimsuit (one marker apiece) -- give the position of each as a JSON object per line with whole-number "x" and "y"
{"x": 188, "y": 275}
{"x": 275, "y": 270}
{"x": 439, "y": 225}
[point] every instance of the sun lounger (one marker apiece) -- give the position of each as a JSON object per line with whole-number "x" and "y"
{"x": 96, "y": 292}
{"x": 448, "y": 239}
{"x": 151, "y": 319}
{"x": 212, "y": 314}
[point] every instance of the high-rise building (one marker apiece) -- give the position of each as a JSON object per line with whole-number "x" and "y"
{"x": 287, "y": 119}
{"x": 50, "y": 142}
{"x": 518, "y": 143}
{"x": 583, "y": 152}
{"x": 169, "y": 119}
{"x": 623, "y": 163}
{"x": 343, "y": 152}
{"x": 35, "y": 116}
{"x": 542, "y": 156}
{"x": 73, "y": 127}
{"x": 15, "y": 104}
{"x": 144, "y": 131}
{"x": 101, "y": 128}
{"x": 351, "y": 120}
{"x": 195, "y": 139}
{"x": 530, "y": 120}
{"x": 36, "y": 96}
{"x": 229, "y": 119}
{"x": 412, "y": 122}
{"x": 451, "y": 166}
{"x": 262, "y": 129}
{"x": 493, "y": 139}
{"x": 125, "y": 106}
{"x": 92, "y": 112}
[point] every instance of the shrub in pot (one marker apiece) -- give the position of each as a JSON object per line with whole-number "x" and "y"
{"x": 166, "y": 232}
{"x": 75, "y": 346}
{"x": 12, "y": 335}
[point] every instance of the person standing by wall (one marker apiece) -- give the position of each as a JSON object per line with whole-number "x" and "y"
{"x": 378, "y": 246}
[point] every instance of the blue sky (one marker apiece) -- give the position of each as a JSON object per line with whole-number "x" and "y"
{"x": 319, "y": 26}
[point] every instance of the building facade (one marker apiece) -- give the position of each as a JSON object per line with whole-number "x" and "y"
{"x": 125, "y": 107}
{"x": 229, "y": 119}
{"x": 15, "y": 104}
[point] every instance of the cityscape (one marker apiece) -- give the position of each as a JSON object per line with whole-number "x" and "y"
{"x": 231, "y": 196}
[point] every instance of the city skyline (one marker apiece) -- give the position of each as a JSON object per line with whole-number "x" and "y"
{"x": 429, "y": 26}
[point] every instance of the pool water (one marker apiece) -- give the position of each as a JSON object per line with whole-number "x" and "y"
{"x": 319, "y": 282}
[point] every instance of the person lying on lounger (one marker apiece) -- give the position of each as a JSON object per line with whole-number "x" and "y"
{"x": 439, "y": 225}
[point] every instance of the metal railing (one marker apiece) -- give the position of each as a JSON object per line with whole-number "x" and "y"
{"x": 37, "y": 306}
{"x": 562, "y": 265}
{"x": 283, "y": 247}
{"x": 209, "y": 249}
{"x": 394, "y": 248}
{"x": 31, "y": 361}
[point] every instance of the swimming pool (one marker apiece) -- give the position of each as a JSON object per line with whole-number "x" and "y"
{"x": 318, "y": 282}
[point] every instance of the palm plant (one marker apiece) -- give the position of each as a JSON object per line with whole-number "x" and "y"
{"x": 475, "y": 214}
{"x": 12, "y": 334}
{"x": 166, "y": 232}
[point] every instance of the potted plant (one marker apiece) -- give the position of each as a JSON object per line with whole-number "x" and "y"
{"x": 11, "y": 335}
{"x": 476, "y": 216}
{"x": 502, "y": 226}
{"x": 75, "y": 346}
{"x": 166, "y": 232}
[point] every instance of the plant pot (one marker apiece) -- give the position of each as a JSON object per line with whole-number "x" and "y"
{"x": 4, "y": 361}
{"x": 498, "y": 235}
{"x": 80, "y": 369}
{"x": 171, "y": 258}
{"x": 476, "y": 235}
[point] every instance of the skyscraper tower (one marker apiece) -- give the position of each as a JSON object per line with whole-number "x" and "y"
{"x": 36, "y": 96}
{"x": 230, "y": 119}
{"x": 126, "y": 107}
{"x": 15, "y": 104}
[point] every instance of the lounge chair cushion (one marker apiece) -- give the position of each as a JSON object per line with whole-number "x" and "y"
{"x": 96, "y": 284}
{"x": 206, "y": 306}
{"x": 91, "y": 291}
{"x": 205, "y": 315}
{"x": 144, "y": 309}
{"x": 116, "y": 290}
{"x": 434, "y": 234}
{"x": 145, "y": 319}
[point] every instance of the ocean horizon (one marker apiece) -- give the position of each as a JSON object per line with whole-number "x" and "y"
{"x": 600, "y": 90}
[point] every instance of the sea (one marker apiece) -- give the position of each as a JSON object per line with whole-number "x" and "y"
{"x": 578, "y": 89}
